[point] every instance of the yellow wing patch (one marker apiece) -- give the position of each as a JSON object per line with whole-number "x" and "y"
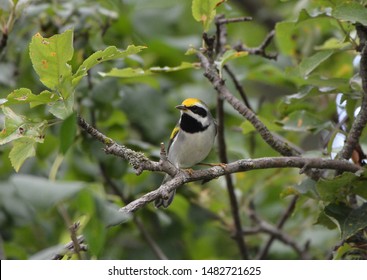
{"x": 174, "y": 133}
{"x": 191, "y": 102}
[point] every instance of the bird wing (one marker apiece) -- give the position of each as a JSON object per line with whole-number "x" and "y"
{"x": 173, "y": 136}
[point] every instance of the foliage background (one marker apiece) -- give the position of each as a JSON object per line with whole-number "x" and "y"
{"x": 70, "y": 178}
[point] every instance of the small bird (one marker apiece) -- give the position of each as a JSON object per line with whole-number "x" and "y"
{"x": 191, "y": 140}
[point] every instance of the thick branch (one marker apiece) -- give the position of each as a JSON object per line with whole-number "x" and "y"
{"x": 243, "y": 165}
{"x": 138, "y": 160}
{"x": 180, "y": 177}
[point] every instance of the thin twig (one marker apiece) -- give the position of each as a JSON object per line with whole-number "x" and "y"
{"x": 264, "y": 251}
{"x": 238, "y": 236}
{"x": 238, "y": 86}
{"x": 261, "y": 49}
{"x": 70, "y": 247}
{"x": 232, "y": 20}
{"x": 211, "y": 73}
{"x": 276, "y": 233}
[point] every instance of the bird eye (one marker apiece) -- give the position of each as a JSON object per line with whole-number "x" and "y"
{"x": 199, "y": 111}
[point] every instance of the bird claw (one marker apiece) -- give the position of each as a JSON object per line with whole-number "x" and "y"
{"x": 190, "y": 171}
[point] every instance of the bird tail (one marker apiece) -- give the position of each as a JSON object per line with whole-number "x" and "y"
{"x": 165, "y": 202}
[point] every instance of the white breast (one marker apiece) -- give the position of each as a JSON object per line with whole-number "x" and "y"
{"x": 189, "y": 149}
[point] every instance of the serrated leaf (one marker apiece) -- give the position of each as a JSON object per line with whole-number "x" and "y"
{"x": 22, "y": 149}
{"x": 50, "y": 57}
{"x": 182, "y": 66}
{"x": 42, "y": 193}
{"x": 309, "y": 64}
{"x": 204, "y": 11}
{"x": 67, "y": 133}
{"x": 103, "y": 55}
{"x": 352, "y": 12}
{"x": 24, "y": 95}
{"x": 17, "y": 126}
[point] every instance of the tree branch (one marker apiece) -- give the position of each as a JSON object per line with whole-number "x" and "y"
{"x": 70, "y": 247}
{"x": 138, "y": 160}
{"x": 229, "y": 182}
{"x": 242, "y": 165}
{"x": 275, "y": 233}
{"x": 264, "y": 251}
{"x": 211, "y": 73}
{"x": 361, "y": 119}
{"x": 181, "y": 176}
{"x": 260, "y": 50}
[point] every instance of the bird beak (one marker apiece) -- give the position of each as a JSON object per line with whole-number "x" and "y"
{"x": 181, "y": 107}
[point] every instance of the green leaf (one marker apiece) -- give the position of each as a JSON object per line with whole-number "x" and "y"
{"x": 42, "y": 193}
{"x": 352, "y": 12}
{"x": 17, "y": 127}
{"x": 182, "y": 66}
{"x": 126, "y": 73}
{"x": 303, "y": 121}
{"x": 333, "y": 44}
{"x": 204, "y": 11}
{"x": 307, "y": 187}
{"x": 309, "y": 64}
{"x": 67, "y": 133}
{"x": 50, "y": 57}
{"x": 336, "y": 189}
{"x": 62, "y": 108}
{"x": 349, "y": 220}
{"x": 133, "y": 75}
{"x": 305, "y": 15}
{"x": 95, "y": 235}
{"x": 229, "y": 55}
{"x": 109, "y": 213}
{"x": 284, "y": 38}
{"x": 247, "y": 127}
{"x": 100, "y": 56}
{"x": 24, "y": 95}
{"x": 22, "y": 149}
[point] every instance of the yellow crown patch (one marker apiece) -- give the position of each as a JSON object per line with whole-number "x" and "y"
{"x": 191, "y": 102}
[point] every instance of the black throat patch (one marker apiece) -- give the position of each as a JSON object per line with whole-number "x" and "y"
{"x": 191, "y": 125}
